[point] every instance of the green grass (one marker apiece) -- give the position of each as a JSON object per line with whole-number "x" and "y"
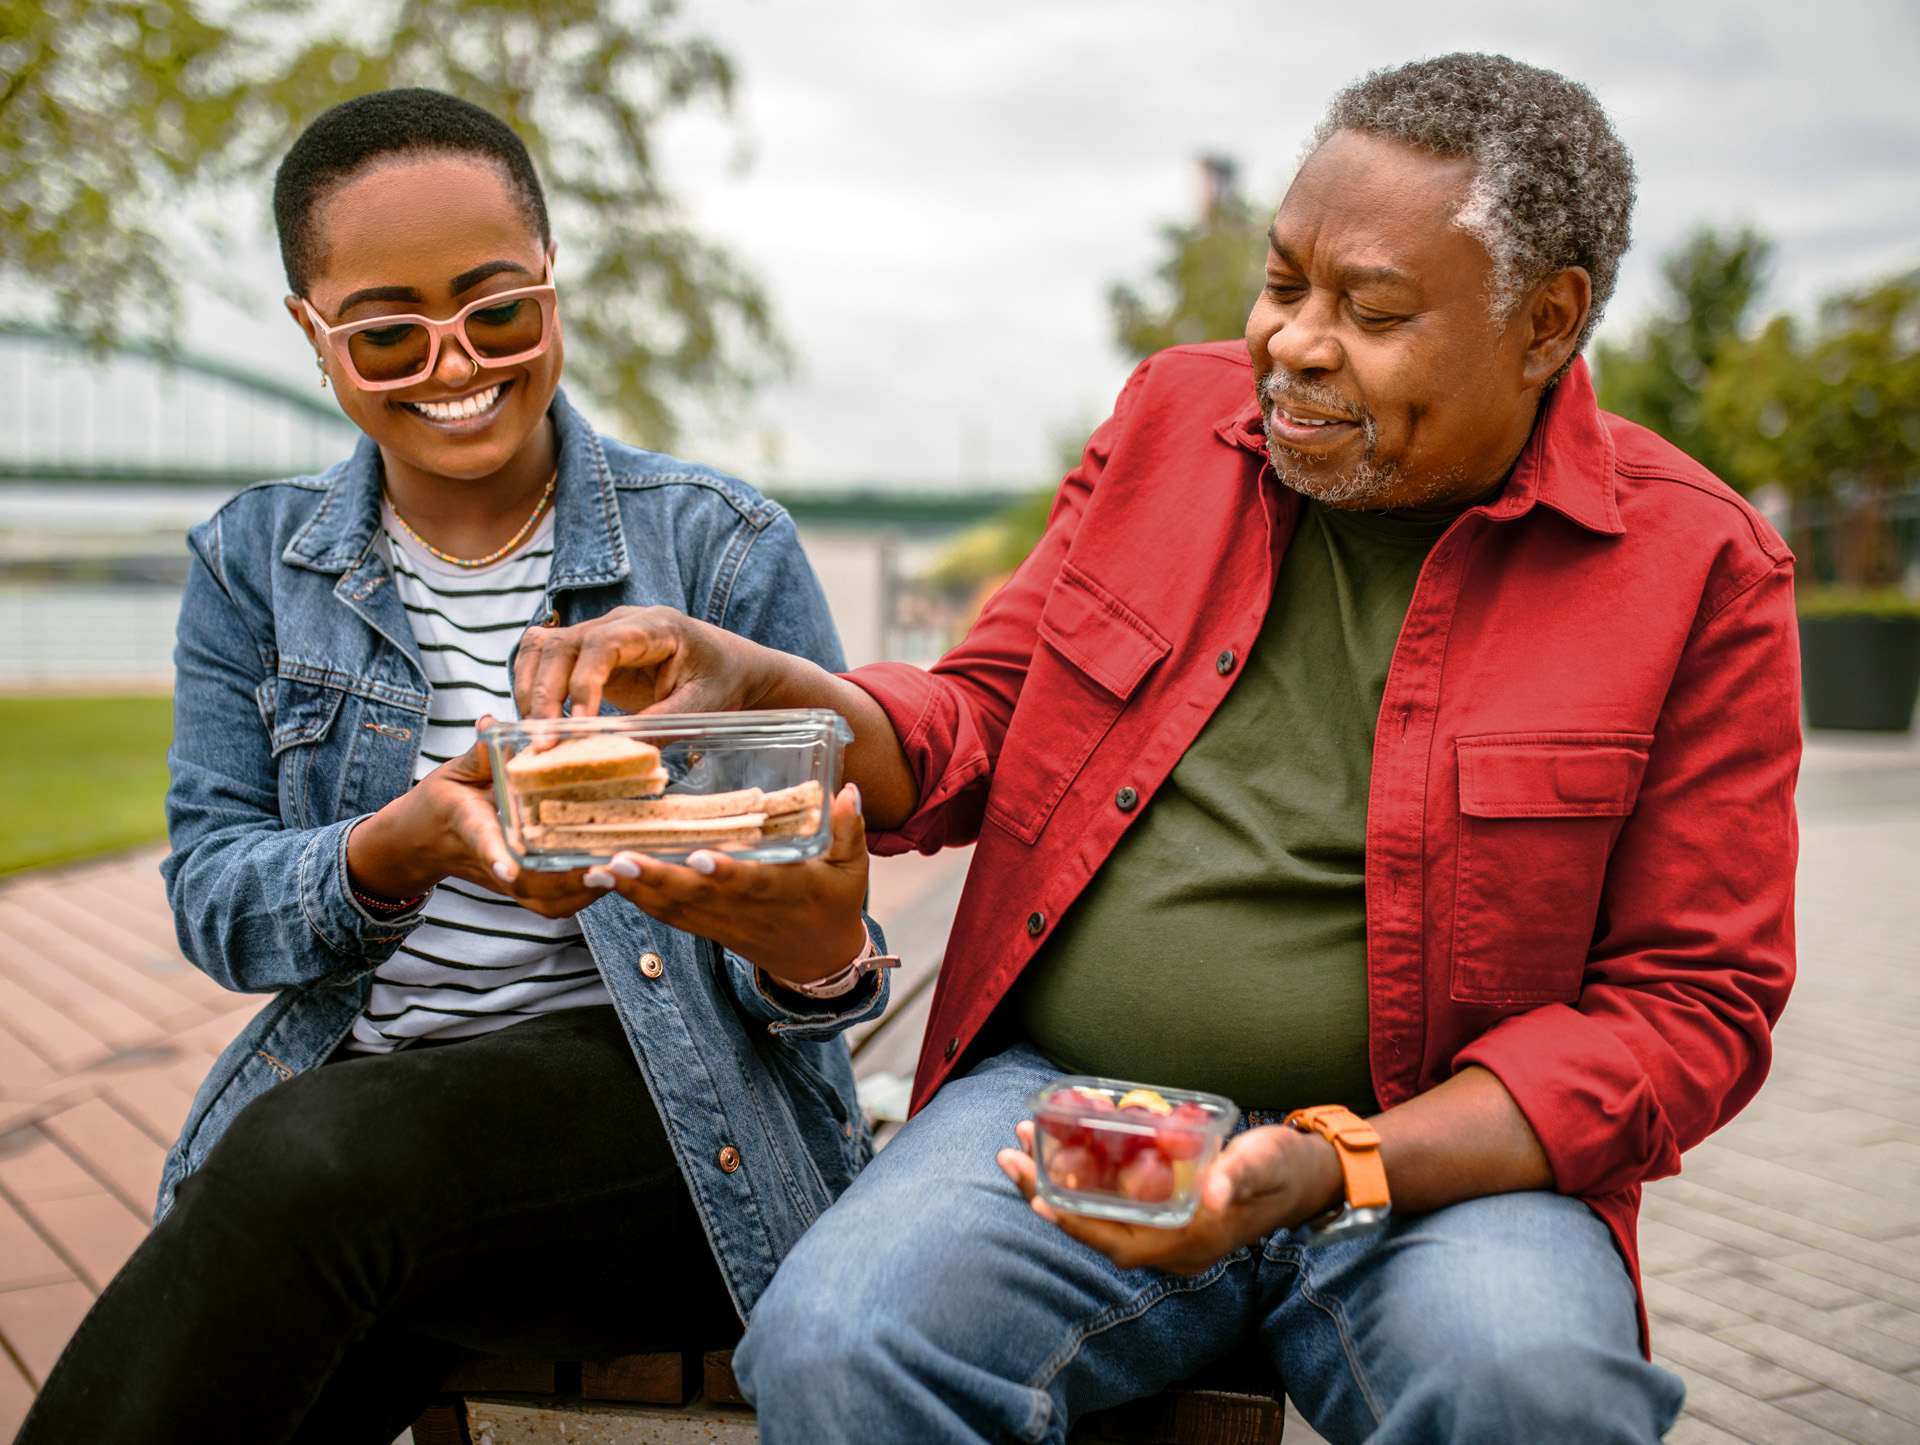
{"x": 81, "y": 775}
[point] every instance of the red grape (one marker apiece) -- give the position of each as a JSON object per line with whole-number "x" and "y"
{"x": 1184, "y": 1134}
{"x": 1148, "y": 1178}
{"x": 1074, "y": 1166}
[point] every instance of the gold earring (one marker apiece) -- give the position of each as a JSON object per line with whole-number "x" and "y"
{"x": 317, "y": 361}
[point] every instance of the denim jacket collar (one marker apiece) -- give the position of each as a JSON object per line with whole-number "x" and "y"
{"x": 590, "y": 549}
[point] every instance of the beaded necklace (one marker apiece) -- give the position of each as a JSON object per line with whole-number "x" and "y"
{"x": 518, "y": 537}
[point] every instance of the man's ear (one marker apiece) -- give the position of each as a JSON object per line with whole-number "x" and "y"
{"x": 1555, "y": 315}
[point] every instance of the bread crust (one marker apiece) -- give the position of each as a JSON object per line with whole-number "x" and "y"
{"x": 583, "y": 760}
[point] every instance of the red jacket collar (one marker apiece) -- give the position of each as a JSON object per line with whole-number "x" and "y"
{"x": 1567, "y": 463}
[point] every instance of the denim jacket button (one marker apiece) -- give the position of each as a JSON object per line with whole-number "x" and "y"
{"x": 1223, "y": 664}
{"x": 1125, "y": 800}
{"x": 651, "y": 965}
{"x": 729, "y": 1159}
{"x": 953, "y": 1047}
{"x": 1036, "y": 924}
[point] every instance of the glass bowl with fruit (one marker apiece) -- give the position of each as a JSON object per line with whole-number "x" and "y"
{"x": 1124, "y": 1151}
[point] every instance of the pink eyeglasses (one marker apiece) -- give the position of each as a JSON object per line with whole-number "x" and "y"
{"x": 387, "y": 352}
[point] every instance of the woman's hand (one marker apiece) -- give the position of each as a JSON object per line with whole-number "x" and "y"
{"x": 639, "y": 658}
{"x": 1265, "y": 1179}
{"x": 798, "y": 921}
{"x": 446, "y": 826}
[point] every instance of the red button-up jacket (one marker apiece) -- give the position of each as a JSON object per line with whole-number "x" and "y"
{"x": 1580, "y": 830}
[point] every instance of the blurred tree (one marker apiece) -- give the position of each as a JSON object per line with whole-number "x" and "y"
{"x": 107, "y": 107}
{"x": 1832, "y": 413}
{"x": 1657, "y": 379}
{"x": 111, "y": 110}
{"x": 1213, "y": 271}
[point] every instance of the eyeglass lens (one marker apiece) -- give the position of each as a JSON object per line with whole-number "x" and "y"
{"x": 388, "y": 353}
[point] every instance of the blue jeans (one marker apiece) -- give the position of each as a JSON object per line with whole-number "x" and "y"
{"x": 931, "y": 1304}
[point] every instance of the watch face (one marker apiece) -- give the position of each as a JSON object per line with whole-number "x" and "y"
{"x": 1346, "y": 1223}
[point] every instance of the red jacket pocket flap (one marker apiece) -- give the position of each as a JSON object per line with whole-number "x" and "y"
{"x": 1552, "y": 776}
{"x": 1099, "y": 634}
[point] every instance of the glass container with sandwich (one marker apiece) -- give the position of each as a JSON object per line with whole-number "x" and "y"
{"x": 573, "y": 792}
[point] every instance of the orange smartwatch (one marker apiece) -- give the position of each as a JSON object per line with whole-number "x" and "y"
{"x": 1367, "y": 1204}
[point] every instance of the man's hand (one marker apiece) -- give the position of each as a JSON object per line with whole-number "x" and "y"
{"x": 446, "y": 826}
{"x": 1461, "y": 1139}
{"x": 1265, "y": 1179}
{"x": 642, "y": 659}
{"x": 654, "y": 659}
{"x": 798, "y": 921}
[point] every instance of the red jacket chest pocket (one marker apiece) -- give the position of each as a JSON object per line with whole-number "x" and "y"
{"x": 1093, "y": 651}
{"x": 1539, "y": 814}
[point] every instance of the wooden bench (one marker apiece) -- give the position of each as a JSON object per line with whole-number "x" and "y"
{"x": 669, "y": 1398}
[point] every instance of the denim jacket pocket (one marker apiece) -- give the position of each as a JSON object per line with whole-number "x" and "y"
{"x": 1092, "y": 653}
{"x": 302, "y": 718}
{"x": 1539, "y": 815}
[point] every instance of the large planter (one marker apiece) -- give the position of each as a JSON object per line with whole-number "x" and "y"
{"x": 1860, "y": 673}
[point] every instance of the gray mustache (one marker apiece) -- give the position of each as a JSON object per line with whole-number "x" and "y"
{"x": 1280, "y": 386}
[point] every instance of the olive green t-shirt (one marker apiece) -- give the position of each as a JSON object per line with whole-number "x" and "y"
{"x": 1223, "y": 945}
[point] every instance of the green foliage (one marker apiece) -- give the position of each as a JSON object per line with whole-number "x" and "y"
{"x": 999, "y": 545}
{"x": 110, "y": 111}
{"x": 994, "y": 548}
{"x": 97, "y": 778}
{"x": 106, "y": 108}
{"x": 1832, "y": 413}
{"x": 1883, "y": 602}
{"x": 1658, "y": 379}
{"x": 1828, "y": 412}
{"x": 1213, "y": 271}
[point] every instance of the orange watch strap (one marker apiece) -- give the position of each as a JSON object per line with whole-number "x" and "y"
{"x": 1358, "y": 1146}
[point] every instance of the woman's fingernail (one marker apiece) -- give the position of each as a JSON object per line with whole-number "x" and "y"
{"x": 597, "y": 878}
{"x": 626, "y": 867}
{"x": 703, "y": 864}
{"x": 504, "y": 871}
{"x": 858, "y": 806}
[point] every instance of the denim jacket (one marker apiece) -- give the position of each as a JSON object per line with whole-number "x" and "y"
{"x": 299, "y": 705}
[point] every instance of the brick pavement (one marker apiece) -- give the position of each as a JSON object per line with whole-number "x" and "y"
{"x": 105, "y": 1032}
{"x": 1783, "y": 1264}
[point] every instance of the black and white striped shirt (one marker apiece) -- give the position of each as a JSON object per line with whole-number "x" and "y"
{"x": 480, "y": 961}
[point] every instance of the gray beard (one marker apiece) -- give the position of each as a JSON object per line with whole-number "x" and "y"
{"x": 1365, "y": 483}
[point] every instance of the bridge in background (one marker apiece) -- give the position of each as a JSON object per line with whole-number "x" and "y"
{"x": 108, "y": 456}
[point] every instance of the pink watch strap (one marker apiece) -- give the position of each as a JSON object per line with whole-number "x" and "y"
{"x": 839, "y": 984}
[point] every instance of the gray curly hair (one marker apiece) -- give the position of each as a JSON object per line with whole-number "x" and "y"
{"x": 1552, "y": 185}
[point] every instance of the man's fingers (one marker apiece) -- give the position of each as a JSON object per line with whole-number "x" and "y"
{"x": 1251, "y": 1165}
{"x": 1019, "y": 1168}
{"x": 542, "y": 670}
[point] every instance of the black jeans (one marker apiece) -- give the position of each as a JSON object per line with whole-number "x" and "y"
{"x": 362, "y": 1228}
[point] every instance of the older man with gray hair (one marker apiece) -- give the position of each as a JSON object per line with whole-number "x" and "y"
{"x": 1381, "y": 730}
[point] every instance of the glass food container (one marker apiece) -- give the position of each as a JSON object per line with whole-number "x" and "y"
{"x": 1126, "y": 1151}
{"x": 573, "y": 792}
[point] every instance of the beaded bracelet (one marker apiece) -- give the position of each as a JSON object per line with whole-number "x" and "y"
{"x": 387, "y": 905}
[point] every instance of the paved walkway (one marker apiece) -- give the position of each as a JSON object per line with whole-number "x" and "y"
{"x": 1783, "y": 1265}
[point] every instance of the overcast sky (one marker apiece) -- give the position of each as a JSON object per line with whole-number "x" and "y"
{"x": 939, "y": 196}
